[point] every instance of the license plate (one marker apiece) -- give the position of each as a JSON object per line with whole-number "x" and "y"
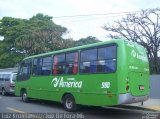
{"x": 141, "y": 87}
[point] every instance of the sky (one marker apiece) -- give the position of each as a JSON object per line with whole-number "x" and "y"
{"x": 78, "y": 27}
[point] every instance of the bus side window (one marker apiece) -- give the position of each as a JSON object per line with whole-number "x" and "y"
{"x": 101, "y": 66}
{"x": 59, "y": 64}
{"x": 97, "y": 60}
{"x": 71, "y": 63}
{"x": 55, "y": 62}
{"x": 46, "y": 66}
{"x": 42, "y": 66}
{"x": 93, "y": 67}
{"x": 69, "y": 69}
{"x": 84, "y": 67}
{"x": 106, "y": 65}
{"x": 88, "y": 61}
{"x": 75, "y": 69}
{"x": 106, "y": 59}
{"x": 65, "y": 63}
{"x": 110, "y": 65}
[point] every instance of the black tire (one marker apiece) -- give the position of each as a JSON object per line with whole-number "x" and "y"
{"x": 24, "y": 96}
{"x": 69, "y": 103}
{"x": 4, "y": 92}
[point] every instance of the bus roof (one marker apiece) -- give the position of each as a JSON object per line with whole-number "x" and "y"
{"x": 76, "y": 48}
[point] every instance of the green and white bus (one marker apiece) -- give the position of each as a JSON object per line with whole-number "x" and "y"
{"x": 100, "y": 74}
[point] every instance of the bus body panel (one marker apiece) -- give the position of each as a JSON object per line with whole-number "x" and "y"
{"x": 134, "y": 83}
{"x": 98, "y": 89}
{"x": 138, "y": 70}
{"x": 89, "y": 92}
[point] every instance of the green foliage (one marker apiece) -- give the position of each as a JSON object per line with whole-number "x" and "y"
{"x": 24, "y": 37}
{"x": 87, "y": 40}
{"x": 8, "y": 57}
{"x": 41, "y": 35}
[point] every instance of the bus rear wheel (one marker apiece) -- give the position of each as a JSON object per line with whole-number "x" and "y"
{"x": 69, "y": 103}
{"x": 24, "y": 96}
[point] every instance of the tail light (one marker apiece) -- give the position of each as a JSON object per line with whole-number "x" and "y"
{"x": 127, "y": 84}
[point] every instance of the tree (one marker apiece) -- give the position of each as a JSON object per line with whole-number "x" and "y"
{"x": 8, "y": 55}
{"x": 41, "y": 35}
{"x": 142, "y": 27}
{"x": 87, "y": 40}
{"x": 24, "y": 37}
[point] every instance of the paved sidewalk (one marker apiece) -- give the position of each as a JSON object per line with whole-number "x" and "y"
{"x": 153, "y": 104}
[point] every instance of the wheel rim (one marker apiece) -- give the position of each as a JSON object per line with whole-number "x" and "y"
{"x": 69, "y": 103}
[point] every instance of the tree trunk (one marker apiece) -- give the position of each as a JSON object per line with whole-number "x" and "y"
{"x": 156, "y": 64}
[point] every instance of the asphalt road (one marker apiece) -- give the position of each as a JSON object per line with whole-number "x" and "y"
{"x": 14, "y": 105}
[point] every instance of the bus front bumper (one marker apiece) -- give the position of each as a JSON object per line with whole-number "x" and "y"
{"x": 128, "y": 98}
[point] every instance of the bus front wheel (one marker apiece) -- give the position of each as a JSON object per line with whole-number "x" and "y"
{"x": 69, "y": 103}
{"x": 24, "y": 96}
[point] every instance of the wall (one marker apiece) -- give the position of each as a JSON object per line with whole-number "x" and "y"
{"x": 155, "y": 86}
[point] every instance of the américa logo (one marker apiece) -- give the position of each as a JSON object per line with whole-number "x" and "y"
{"x": 70, "y": 83}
